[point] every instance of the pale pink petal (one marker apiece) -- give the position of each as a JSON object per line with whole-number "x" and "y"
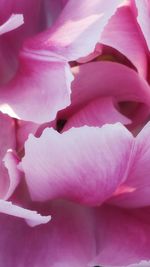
{"x": 135, "y": 191}
{"x": 77, "y": 30}
{"x": 143, "y": 18}
{"x": 122, "y": 33}
{"x": 12, "y": 23}
{"x": 83, "y": 164}
{"x": 96, "y": 113}
{"x": 122, "y": 238}
{"x": 40, "y": 88}
{"x": 32, "y": 217}
{"x": 67, "y": 241}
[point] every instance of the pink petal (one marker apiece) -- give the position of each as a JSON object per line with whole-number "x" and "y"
{"x": 122, "y": 33}
{"x": 105, "y": 79}
{"x": 36, "y": 93}
{"x": 96, "y": 113}
{"x": 12, "y": 23}
{"x": 135, "y": 191}
{"x": 32, "y": 12}
{"x": 24, "y": 128}
{"x": 143, "y": 18}
{"x": 67, "y": 240}
{"x": 11, "y": 161}
{"x": 77, "y": 30}
{"x": 122, "y": 238}
{"x": 10, "y": 175}
{"x": 83, "y": 164}
{"x": 32, "y": 217}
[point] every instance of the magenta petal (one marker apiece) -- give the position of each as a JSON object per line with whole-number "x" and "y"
{"x": 122, "y": 237}
{"x": 83, "y": 164}
{"x": 135, "y": 191}
{"x": 67, "y": 241}
{"x": 77, "y": 30}
{"x": 123, "y": 34}
{"x": 36, "y": 93}
{"x": 12, "y": 23}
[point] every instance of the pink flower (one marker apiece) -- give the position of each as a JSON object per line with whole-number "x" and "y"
{"x": 75, "y": 84}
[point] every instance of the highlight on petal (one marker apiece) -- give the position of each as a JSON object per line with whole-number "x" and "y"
{"x": 15, "y": 21}
{"x": 32, "y": 217}
{"x": 77, "y": 30}
{"x": 83, "y": 164}
{"x": 40, "y": 88}
{"x": 135, "y": 191}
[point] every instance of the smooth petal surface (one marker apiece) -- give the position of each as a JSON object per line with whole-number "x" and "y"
{"x": 122, "y": 33}
{"x": 36, "y": 93}
{"x": 66, "y": 241}
{"x": 143, "y": 18}
{"x": 122, "y": 237}
{"x": 135, "y": 191}
{"x": 83, "y": 164}
{"x": 77, "y": 30}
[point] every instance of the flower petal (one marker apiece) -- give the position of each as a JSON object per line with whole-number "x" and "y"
{"x": 32, "y": 217}
{"x": 67, "y": 240}
{"x": 10, "y": 175}
{"x": 122, "y": 33}
{"x": 135, "y": 191}
{"x": 105, "y": 79}
{"x": 96, "y": 113}
{"x": 12, "y": 23}
{"x": 143, "y": 18}
{"x": 77, "y": 30}
{"x": 83, "y": 164}
{"x": 36, "y": 93}
{"x": 122, "y": 237}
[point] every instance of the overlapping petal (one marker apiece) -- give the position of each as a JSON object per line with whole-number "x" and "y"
{"x": 36, "y": 93}
{"x": 122, "y": 33}
{"x": 109, "y": 81}
{"x": 77, "y": 30}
